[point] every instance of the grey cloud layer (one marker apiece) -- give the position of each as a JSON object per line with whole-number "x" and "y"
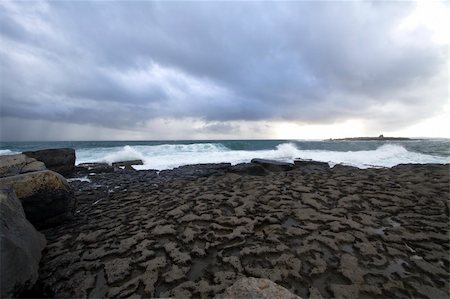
{"x": 120, "y": 64}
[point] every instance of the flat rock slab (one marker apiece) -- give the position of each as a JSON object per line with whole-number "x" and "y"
{"x": 248, "y": 169}
{"x": 273, "y": 165}
{"x": 195, "y": 171}
{"x": 310, "y": 163}
{"x": 337, "y": 233}
{"x": 127, "y": 163}
{"x": 94, "y": 167}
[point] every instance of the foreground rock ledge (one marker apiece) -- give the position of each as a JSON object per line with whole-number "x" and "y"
{"x": 20, "y": 247}
{"x": 338, "y": 232}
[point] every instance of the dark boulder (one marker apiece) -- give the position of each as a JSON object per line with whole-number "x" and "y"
{"x": 46, "y": 196}
{"x": 248, "y": 169}
{"x": 273, "y": 165}
{"x": 20, "y": 247}
{"x": 61, "y": 160}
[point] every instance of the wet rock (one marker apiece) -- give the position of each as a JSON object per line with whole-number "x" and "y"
{"x": 319, "y": 264}
{"x": 17, "y": 164}
{"x": 314, "y": 293}
{"x": 248, "y": 169}
{"x": 318, "y": 233}
{"x": 61, "y": 160}
{"x": 188, "y": 235}
{"x": 196, "y": 171}
{"x": 100, "y": 289}
{"x": 20, "y": 247}
{"x": 345, "y": 291}
{"x": 164, "y": 230}
{"x": 256, "y": 288}
{"x": 344, "y": 168}
{"x": 127, "y": 163}
{"x": 95, "y": 167}
{"x": 223, "y": 279}
{"x": 124, "y": 290}
{"x": 180, "y": 291}
{"x": 175, "y": 273}
{"x": 150, "y": 276}
{"x": 427, "y": 291}
{"x": 91, "y": 237}
{"x": 428, "y": 267}
{"x": 178, "y": 256}
{"x": 273, "y": 165}
{"x": 350, "y": 269}
{"x": 366, "y": 249}
{"x": 310, "y": 163}
{"x": 117, "y": 269}
{"x": 234, "y": 261}
{"x": 45, "y": 195}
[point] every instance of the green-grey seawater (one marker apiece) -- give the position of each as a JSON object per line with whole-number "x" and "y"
{"x": 169, "y": 154}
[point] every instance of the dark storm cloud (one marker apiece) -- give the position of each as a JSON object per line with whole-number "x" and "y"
{"x": 221, "y": 128}
{"x": 118, "y": 64}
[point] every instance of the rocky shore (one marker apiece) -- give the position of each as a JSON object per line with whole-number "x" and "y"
{"x": 192, "y": 232}
{"x": 379, "y": 138}
{"x": 206, "y": 230}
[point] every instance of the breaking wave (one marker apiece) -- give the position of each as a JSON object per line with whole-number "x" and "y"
{"x": 8, "y": 152}
{"x": 168, "y": 156}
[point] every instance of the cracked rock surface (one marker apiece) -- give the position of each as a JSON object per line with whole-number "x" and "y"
{"x": 320, "y": 233}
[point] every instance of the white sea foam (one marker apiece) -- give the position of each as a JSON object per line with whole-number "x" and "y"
{"x": 7, "y": 152}
{"x": 82, "y": 179}
{"x": 169, "y": 156}
{"x": 387, "y": 155}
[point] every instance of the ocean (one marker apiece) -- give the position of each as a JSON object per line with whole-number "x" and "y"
{"x": 162, "y": 155}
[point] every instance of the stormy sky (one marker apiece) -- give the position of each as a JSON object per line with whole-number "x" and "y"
{"x": 197, "y": 70}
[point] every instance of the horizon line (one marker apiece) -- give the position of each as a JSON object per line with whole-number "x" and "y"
{"x": 218, "y": 139}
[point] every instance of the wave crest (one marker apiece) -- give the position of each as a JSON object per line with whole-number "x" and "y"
{"x": 7, "y": 152}
{"x": 126, "y": 153}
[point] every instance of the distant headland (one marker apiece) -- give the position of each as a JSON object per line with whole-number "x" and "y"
{"x": 379, "y": 138}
